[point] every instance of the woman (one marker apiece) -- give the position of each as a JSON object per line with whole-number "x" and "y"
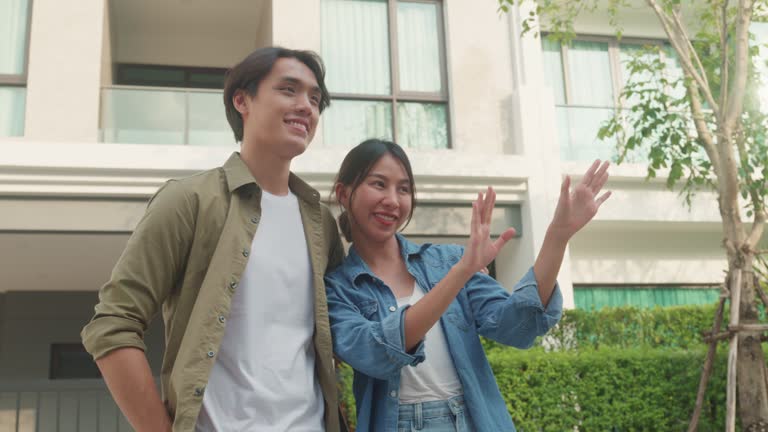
{"x": 386, "y": 298}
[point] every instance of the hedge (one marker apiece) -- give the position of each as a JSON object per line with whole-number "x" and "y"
{"x": 606, "y": 390}
{"x": 616, "y": 369}
{"x": 677, "y": 327}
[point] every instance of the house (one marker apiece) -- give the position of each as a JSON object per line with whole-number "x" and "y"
{"x": 101, "y": 101}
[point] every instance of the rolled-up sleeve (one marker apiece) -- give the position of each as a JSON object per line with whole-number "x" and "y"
{"x": 145, "y": 274}
{"x": 515, "y": 318}
{"x": 375, "y": 348}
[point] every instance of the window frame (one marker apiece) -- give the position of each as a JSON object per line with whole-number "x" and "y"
{"x": 616, "y": 75}
{"x": 20, "y": 80}
{"x": 120, "y": 69}
{"x": 614, "y": 61}
{"x": 396, "y": 95}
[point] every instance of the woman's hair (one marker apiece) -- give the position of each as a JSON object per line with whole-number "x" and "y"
{"x": 356, "y": 166}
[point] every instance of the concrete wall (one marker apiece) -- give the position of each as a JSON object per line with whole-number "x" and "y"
{"x": 32, "y": 321}
{"x": 181, "y": 33}
{"x": 648, "y": 253}
{"x": 107, "y": 47}
{"x": 481, "y": 91}
{"x": 65, "y": 66}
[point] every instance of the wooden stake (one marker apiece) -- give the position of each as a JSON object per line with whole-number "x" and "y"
{"x": 730, "y": 411}
{"x": 707, "y": 371}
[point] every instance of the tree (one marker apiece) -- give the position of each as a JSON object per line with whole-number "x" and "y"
{"x": 711, "y": 135}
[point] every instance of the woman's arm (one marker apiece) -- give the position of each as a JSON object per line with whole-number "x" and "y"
{"x": 535, "y": 304}
{"x": 480, "y": 251}
{"x": 574, "y": 210}
{"x": 375, "y": 348}
{"x": 513, "y": 318}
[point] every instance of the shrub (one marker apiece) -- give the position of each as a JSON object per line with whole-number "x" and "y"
{"x": 616, "y": 369}
{"x": 677, "y": 327}
{"x": 608, "y": 390}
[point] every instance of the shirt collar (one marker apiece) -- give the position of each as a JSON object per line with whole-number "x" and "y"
{"x": 238, "y": 175}
{"x": 358, "y": 267}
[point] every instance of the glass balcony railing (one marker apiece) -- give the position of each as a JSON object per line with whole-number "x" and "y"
{"x": 12, "y": 105}
{"x": 577, "y": 128}
{"x": 152, "y": 115}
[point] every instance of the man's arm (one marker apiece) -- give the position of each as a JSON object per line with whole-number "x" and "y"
{"x": 129, "y": 379}
{"x": 141, "y": 281}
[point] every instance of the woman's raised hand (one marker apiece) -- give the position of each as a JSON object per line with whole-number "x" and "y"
{"x": 575, "y": 208}
{"x": 481, "y": 249}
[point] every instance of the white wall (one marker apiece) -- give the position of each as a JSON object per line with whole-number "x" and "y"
{"x": 480, "y": 80}
{"x": 648, "y": 253}
{"x": 63, "y": 87}
{"x": 183, "y": 33}
{"x": 183, "y": 49}
{"x": 106, "y": 48}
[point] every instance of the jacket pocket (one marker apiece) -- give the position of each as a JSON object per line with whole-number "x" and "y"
{"x": 368, "y": 308}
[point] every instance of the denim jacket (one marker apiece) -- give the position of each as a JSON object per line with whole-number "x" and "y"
{"x": 368, "y": 332}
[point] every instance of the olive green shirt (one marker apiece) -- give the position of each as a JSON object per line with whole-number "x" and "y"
{"x": 185, "y": 257}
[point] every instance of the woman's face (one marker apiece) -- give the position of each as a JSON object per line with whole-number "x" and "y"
{"x": 381, "y": 204}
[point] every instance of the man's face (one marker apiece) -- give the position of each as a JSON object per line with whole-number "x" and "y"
{"x": 281, "y": 118}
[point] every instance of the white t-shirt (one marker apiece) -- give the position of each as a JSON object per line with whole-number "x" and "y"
{"x": 435, "y": 378}
{"x": 264, "y": 375}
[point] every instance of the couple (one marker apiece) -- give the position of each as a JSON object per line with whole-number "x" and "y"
{"x": 235, "y": 259}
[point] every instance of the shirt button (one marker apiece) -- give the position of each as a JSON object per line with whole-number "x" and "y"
{"x": 392, "y": 308}
{"x": 393, "y": 393}
{"x": 246, "y": 252}
{"x": 199, "y": 391}
{"x": 211, "y": 354}
{"x": 222, "y": 319}
{"x": 232, "y": 285}
{"x": 255, "y": 219}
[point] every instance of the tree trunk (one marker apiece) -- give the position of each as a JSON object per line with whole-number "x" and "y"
{"x": 751, "y": 378}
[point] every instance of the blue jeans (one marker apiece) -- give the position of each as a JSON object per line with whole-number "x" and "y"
{"x": 438, "y": 416}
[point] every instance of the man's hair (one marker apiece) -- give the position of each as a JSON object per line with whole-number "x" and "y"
{"x": 248, "y": 74}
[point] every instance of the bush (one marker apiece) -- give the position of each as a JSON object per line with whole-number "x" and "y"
{"x": 346, "y": 397}
{"x": 616, "y": 369}
{"x": 677, "y": 327}
{"x": 608, "y": 390}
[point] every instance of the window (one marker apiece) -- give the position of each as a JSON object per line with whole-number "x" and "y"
{"x": 759, "y": 31}
{"x": 587, "y": 78}
{"x": 170, "y": 76}
{"x": 386, "y": 72}
{"x": 72, "y": 361}
{"x": 14, "y": 36}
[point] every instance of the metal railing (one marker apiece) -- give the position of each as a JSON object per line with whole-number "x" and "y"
{"x": 66, "y": 405}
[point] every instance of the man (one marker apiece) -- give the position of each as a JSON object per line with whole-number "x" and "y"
{"x": 235, "y": 257}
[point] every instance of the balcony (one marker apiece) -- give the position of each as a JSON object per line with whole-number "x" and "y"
{"x": 155, "y": 115}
